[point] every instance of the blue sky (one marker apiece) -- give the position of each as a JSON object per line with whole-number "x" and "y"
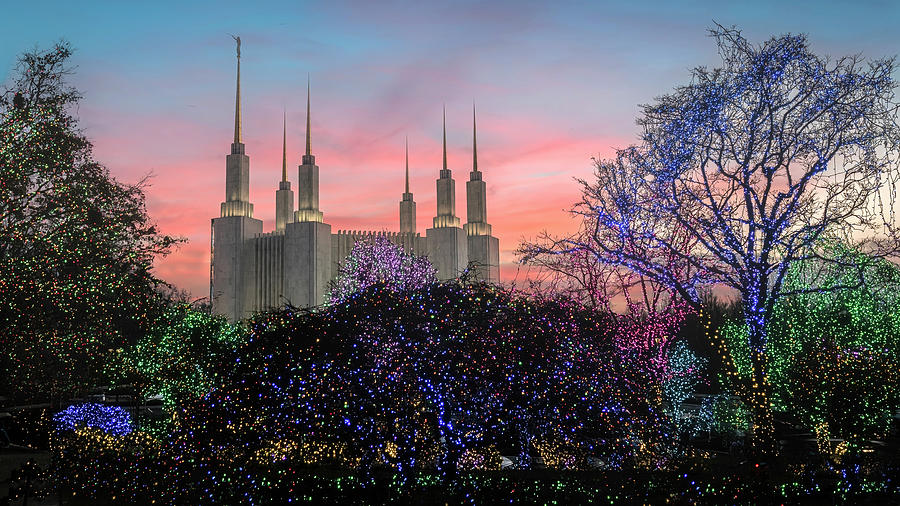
{"x": 555, "y": 83}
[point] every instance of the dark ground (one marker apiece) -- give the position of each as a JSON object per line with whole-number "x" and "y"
{"x": 12, "y": 459}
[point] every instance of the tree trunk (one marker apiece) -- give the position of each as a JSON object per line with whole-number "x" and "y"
{"x": 763, "y": 441}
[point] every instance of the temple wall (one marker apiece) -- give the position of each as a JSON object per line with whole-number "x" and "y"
{"x": 230, "y": 264}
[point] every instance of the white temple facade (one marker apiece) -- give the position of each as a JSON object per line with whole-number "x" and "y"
{"x": 252, "y": 270}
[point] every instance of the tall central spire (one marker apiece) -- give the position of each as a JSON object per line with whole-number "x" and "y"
{"x": 446, "y": 192}
{"x": 407, "y": 165}
{"x": 284, "y": 146}
{"x": 445, "y": 137}
{"x": 237, "y": 96}
{"x": 308, "y": 153}
{"x": 474, "y": 142}
{"x": 308, "y": 185}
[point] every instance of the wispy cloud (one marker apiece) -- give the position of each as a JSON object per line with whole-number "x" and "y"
{"x": 555, "y": 84}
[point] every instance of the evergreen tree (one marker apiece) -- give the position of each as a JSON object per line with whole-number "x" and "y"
{"x": 76, "y": 245}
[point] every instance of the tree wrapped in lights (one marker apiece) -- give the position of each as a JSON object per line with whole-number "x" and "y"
{"x": 76, "y": 246}
{"x": 757, "y": 162}
{"x": 833, "y": 355}
{"x": 179, "y": 356}
{"x": 379, "y": 261}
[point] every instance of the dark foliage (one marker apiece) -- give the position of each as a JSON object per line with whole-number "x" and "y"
{"x": 76, "y": 245}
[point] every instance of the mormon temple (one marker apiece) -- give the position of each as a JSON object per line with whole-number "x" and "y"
{"x": 252, "y": 270}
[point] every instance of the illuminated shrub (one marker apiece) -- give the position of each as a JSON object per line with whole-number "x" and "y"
{"x": 439, "y": 378}
{"x": 90, "y": 462}
{"x": 178, "y": 358}
{"x": 683, "y": 373}
{"x": 112, "y": 420}
{"x": 485, "y": 458}
{"x": 723, "y": 415}
{"x": 847, "y": 394}
{"x": 560, "y": 454}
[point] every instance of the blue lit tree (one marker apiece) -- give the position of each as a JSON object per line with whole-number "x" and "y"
{"x": 760, "y": 161}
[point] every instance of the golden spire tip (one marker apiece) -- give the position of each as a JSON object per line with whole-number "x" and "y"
{"x": 237, "y": 95}
{"x": 407, "y": 164}
{"x": 474, "y": 141}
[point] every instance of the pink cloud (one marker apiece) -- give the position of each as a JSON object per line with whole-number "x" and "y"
{"x": 528, "y": 163}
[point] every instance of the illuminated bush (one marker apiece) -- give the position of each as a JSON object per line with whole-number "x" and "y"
{"x": 92, "y": 463}
{"x": 112, "y": 420}
{"x": 683, "y": 374}
{"x": 848, "y": 394}
{"x": 442, "y": 378}
{"x": 723, "y": 415}
{"x": 560, "y": 454}
{"x": 178, "y": 358}
{"x": 485, "y": 458}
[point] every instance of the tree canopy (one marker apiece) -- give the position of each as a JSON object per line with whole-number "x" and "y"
{"x": 76, "y": 245}
{"x": 379, "y": 261}
{"x": 752, "y": 167}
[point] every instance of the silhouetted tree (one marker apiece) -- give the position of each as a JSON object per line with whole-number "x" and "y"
{"x": 76, "y": 245}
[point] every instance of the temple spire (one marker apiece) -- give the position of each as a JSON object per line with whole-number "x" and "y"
{"x": 308, "y": 185}
{"x": 446, "y": 192}
{"x": 284, "y": 197}
{"x": 407, "y": 165}
{"x": 474, "y": 142}
{"x": 237, "y": 97}
{"x": 445, "y": 137}
{"x": 284, "y": 146}
{"x": 308, "y": 151}
{"x": 407, "y": 204}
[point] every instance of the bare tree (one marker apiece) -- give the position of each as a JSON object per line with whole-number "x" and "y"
{"x": 574, "y": 274}
{"x": 569, "y": 267}
{"x": 747, "y": 170}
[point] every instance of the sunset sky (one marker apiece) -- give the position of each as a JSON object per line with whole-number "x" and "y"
{"x": 555, "y": 83}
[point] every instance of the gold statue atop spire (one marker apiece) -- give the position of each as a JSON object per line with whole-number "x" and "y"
{"x": 308, "y": 153}
{"x": 474, "y": 142}
{"x": 237, "y": 39}
{"x": 445, "y": 136}
{"x": 407, "y": 164}
{"x": 284, "y": 146}
{"x": 237, "y": 97}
